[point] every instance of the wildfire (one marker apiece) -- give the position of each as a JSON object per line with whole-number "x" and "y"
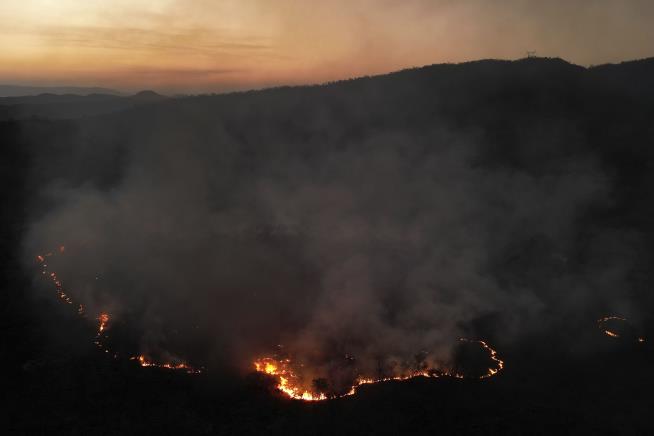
{"x": 103, "y": 321}
{"x": 605, "y": 319}
{"x": 53, "y": 277}
{"x": 288, "y": 380}
{"x": 145, "y": 362}
{"x": 493, "y": 356}
{"x": 285, "y": 371}
{"x": 601, "y": 323}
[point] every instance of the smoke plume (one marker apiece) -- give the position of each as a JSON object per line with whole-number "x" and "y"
{"x": 375, "y": 219}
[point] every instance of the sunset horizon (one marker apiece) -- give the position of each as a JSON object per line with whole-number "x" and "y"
{"x": 197, "y": 46}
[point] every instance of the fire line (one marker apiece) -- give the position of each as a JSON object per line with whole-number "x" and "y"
{"x": 287, "y": 379}
{"x": 282, "y": 369}
{"x": 103, "y": 322}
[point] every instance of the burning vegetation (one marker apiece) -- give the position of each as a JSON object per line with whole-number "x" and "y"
{"x": 292, "y": 377}
{"x": 288, "y": 374}
{"x": 181, "y": 366}
{"x": 291, "y": 381}
{"x": 103, "y": 323}
{"x": 618, "y": 327}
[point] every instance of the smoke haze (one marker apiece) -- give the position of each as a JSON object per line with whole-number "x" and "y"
{"x": 374, "y": 218}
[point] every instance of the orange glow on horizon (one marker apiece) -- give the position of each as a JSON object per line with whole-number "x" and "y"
{"x": 200, "y": 46}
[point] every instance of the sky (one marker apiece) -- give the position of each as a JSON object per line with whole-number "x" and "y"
{"x": 221, "y": 45}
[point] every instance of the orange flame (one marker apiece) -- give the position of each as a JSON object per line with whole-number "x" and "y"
{"x": 601, "y": 324}
{"x": 611, "y": 333}
{"x": 288, "y": 380}
{"x": 104, "y": 319}
{"x": 145, "y": 362}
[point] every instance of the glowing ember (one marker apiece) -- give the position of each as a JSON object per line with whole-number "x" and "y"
{"x": 602, "y": 324}
{"x": 288, "y": 379}
{"x": 604, "y": 320}
{"x": 104, "y": 319}
{"x": 53, "y": 278}
{"x": 145, "y": 362}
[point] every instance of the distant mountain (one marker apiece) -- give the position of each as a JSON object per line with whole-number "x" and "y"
{"x": 147, "y": 96}
{"x": 19, "y": 91}
{"x": 452, "y": 85}
{"x": 48, "y": 98}
{"x": 68, "y": 106}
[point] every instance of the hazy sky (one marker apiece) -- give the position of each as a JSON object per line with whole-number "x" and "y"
{"x": 215, "y": 45}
